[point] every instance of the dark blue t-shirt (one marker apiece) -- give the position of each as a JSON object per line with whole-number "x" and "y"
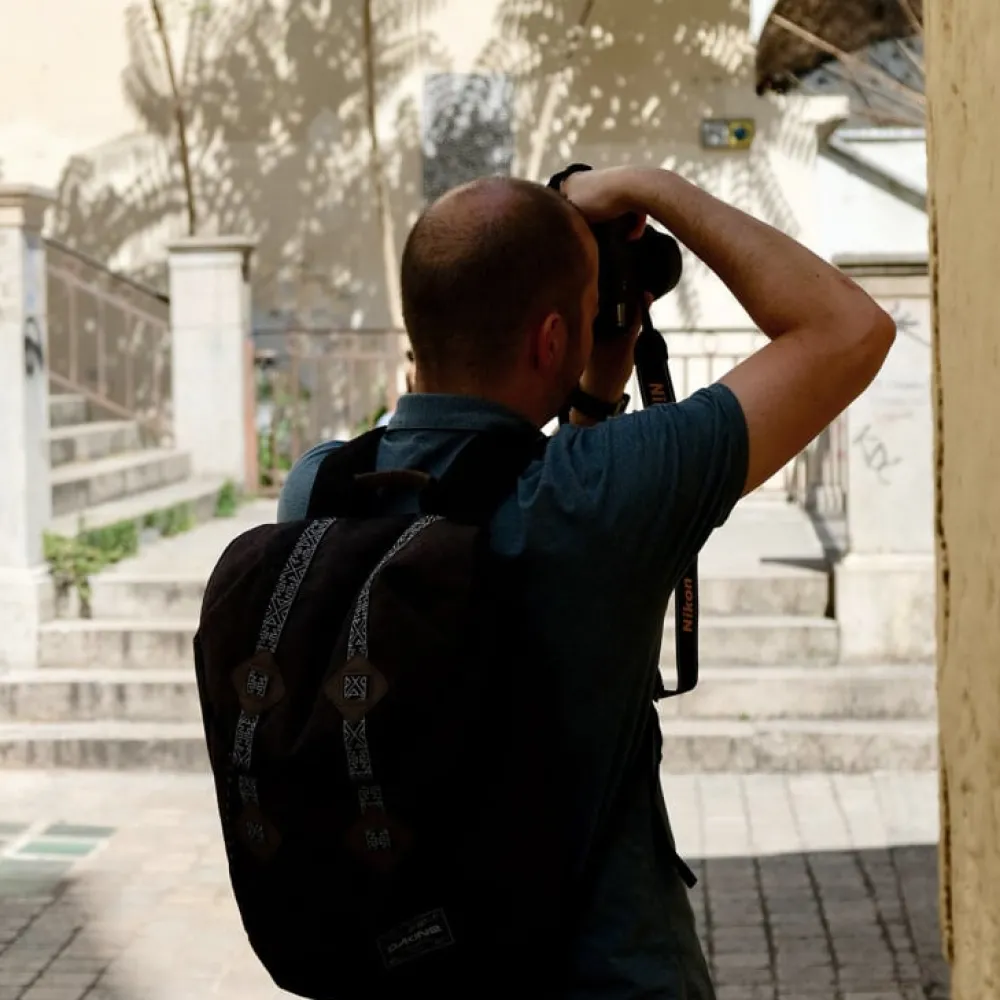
{"x": 601, "y": 529}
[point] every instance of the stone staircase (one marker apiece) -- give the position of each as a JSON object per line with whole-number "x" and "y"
{"x": 774, "y": 695}
{"x": 118, "y": 691}
{"x": 105, "y": 472}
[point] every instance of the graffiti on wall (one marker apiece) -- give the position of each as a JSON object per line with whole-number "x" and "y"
{"x": 875, "y": 453}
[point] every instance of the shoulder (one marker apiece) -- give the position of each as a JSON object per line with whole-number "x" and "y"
{"x": 645, "y": 476}
{"x": 709, "y": 423}
{"x": 293, "y": 504}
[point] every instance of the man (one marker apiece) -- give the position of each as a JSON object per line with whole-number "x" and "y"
{"x": 499, "y": 284}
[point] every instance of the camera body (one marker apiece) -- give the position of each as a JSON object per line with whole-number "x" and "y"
{"x": 629, "y": 270}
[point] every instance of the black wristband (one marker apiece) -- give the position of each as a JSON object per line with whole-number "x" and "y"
{"x": 594, "y": 408}
{"x": 556, "y": 181}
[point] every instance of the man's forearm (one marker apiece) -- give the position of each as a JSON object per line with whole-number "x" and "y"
{"x": 782, "y": 285}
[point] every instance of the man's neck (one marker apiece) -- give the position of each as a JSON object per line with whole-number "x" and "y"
{"x": 503, "y": 394}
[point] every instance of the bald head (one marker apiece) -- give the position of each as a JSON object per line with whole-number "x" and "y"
{"x": 485, "y": 263}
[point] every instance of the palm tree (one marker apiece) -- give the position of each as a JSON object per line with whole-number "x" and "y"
{"x": 179, "y": 115}
{"x": 280, "y": 107}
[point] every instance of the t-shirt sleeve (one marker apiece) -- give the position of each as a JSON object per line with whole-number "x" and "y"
{"x": 293, "y": 502}
{"x": 659, "y": 481}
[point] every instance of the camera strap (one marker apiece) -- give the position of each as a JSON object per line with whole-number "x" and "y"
{"x": 655, "y": 387}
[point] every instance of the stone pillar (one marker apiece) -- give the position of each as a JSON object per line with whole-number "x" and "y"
{"x": 211, "y": 325}
{"x": 25, "y": 496}
{"x": 884, "y": 586}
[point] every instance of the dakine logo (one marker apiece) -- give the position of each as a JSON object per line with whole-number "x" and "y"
{"x": 414, "y": 939}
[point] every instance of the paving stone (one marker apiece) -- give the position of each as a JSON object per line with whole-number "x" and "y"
{"x": 151, "y": 912}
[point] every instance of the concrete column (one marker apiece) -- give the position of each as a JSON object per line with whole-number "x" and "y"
{"x": 884, "y": 587}
{"x": 211, "y": 326}
{"x": 25, "y": 496}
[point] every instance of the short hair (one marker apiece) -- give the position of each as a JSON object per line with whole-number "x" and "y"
{"x": 482, "y": 265}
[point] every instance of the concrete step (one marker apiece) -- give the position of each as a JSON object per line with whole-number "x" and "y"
{"x": 688, "y": 746}
{"x": 90, "y": 442}
{"x": 758, "y": 640}
{"x": 782, "y": 693}
{"x": 116, "y": 644}
{"x": 66, "y": 409}
{"x": 200, "y": 495}
{"x": 771, "y": 591}
{"x": 164, "y": 644}
{"x": 112, "y": 746}
{"x": 80, "y": 485}
{"x": 146, "y": 596}
{"x": 843, "y": 746}
{"x": 136, "y": 595}
{"x": 90, "y": 695}
{"x": 735, "y": 693}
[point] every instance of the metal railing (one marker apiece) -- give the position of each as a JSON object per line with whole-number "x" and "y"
{"x": 817, "y": 478}
{"x": 314, "y": 386}
{"x": 319, "y": 385}
{"x": 108, "y": 339}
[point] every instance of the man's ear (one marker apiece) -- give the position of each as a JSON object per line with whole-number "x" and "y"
{"x": 549, "y": 342}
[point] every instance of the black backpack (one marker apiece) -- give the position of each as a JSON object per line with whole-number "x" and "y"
{"x": 382, "y": 740}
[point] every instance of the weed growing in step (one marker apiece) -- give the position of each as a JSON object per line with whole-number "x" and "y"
{"x": 73, "y": 561}
{"x": 170, "y": 521}
{"x": 228, "y": 500}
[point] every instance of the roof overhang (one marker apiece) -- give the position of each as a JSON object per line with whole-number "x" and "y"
{"x": 850, "y": 26}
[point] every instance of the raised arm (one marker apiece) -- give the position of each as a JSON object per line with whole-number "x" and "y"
{"x": 829, "y": 338}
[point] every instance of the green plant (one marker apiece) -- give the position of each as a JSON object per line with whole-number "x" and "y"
{"x": 118, "y": 540}
{"x": 73, "y": 561}
{"x": 228, "y": 500}
{"x": 170, "y": 520}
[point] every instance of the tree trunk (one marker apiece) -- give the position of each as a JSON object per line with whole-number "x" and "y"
{"x": 179, "y": 117}
{"x": 383, "y": 207}
{"x": 547, "y": 116}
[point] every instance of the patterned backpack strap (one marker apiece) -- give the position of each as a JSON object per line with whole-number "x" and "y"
{"x": 259, "y": 686}
{"x": 355, "y": 689}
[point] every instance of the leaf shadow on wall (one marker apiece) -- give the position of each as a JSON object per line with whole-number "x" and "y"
{"x": 276, "y": 104}
{"x": 277, "y": 121}
{"x": 630, "y": 84}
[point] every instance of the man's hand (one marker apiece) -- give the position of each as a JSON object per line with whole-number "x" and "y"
{"x": 603, "y": 195}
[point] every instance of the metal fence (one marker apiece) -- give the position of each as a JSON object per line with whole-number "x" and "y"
{"x": 817, "y": 478}
{"x": 314, "y": 386}
{"x": 108, "y": 339}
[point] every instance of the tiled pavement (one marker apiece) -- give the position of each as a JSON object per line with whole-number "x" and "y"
{"x": 113, "y": 887}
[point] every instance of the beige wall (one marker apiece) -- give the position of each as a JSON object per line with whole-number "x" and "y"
{"x": 964, "y": 161}
{"x": 288, "y": 159}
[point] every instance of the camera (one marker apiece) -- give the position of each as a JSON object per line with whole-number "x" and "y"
{"x": 629, "y": 269}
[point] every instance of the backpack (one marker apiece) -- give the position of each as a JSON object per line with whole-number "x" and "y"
{"x": 382, "y": 741}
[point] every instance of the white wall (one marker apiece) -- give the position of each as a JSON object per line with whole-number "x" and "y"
{"x": 661, "y": 68}
{"x": 60, "y": 88}
{"x": 858, "y": 217}
{"x": 666, "y": 66}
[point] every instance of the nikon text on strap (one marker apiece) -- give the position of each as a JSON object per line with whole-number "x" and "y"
{"x": 656, "y": 386}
